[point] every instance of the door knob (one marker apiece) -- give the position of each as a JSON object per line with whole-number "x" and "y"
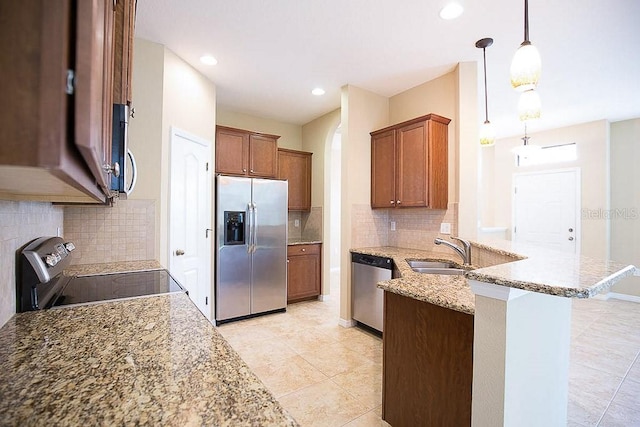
{"x": 570, "y": 238}
{"x": 179, "y": 252}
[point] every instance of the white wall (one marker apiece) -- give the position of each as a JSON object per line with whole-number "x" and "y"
{"x": 592, "y": 141}
{"x": 625, "y": 200}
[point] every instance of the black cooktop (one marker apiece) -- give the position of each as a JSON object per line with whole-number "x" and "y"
{"x": 106, "y": 287}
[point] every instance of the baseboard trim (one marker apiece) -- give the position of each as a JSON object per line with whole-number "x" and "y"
{"x": 347, "y": 323}
{"x": 623, "y": 297}
{"x": 324, "y": 298}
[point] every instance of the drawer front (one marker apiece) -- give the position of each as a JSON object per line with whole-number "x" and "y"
{"x": 293, "y": 250}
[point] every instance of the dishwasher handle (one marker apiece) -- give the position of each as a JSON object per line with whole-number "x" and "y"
{"x": 372, "y": 260}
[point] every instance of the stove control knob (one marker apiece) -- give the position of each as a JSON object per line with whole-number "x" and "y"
{"x": 50, "y": 260}
{"x": 69, "y": 246}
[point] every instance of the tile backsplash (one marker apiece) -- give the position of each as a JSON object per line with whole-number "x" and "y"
{"x": 415, "y": 228}
{"x": 124, "y": 232}
{"x": 309, "y": 224}
{"x": 20, "y": 223}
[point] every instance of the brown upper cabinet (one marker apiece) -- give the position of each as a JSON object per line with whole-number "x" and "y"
{"x": 123, "y": 49}
{"x": 295, "y": 167}
{"x": 409, "y": 164}
{"x": 55, "y": 137}
{"x": 245, "y": 153}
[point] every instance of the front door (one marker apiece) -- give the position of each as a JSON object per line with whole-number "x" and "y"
{"x": 546, "y": 206}
{"x": 190, "y": 217}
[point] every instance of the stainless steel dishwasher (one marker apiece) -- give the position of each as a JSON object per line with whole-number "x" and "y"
{"x": 366, "y": 272}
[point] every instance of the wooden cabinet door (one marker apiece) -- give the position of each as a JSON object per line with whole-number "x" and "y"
{"x": 93, "y": 88}
{"x": 232, "y": 151}
{"x": 125, "y": 16}
{"x": 263, "y": 152}
{"x": 412, "y": 178}
{"x": 295, "y": 168}
{"x": 383, "y": 170}
{"x": 438, "y": 165}
{"x": 303, "y": 272}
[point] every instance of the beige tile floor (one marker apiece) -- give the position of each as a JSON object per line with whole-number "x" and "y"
{"x": 326, "y": 375}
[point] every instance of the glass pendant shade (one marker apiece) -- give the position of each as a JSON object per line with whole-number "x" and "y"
{"x": 526, "y": 67}
{"x": 487, "y": 134}
{"x": 529, "y": 105}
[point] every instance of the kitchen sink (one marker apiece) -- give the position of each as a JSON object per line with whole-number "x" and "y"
{"x": 435, "y": 267}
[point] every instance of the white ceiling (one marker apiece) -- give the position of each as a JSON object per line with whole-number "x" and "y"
{"x": 272, "y": 53}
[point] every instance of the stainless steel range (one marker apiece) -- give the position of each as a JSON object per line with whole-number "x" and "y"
{"x": 41, "y": 283}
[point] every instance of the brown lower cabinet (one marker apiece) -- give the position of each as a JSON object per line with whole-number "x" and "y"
{"x": 427, "y": 364}
{"x": 304, "y": 266}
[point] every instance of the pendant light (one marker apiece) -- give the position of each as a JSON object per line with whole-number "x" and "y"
{"x": 487, "y": 133}
{"x": 525, "y": 150}
{"x": 529, "y": 105}
{"x": 526, "y": 64}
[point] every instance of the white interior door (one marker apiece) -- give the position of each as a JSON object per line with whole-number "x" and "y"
{"x": 545, "y": 209}
{"x": 190, "y": 217}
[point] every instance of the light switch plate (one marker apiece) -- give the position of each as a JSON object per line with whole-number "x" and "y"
{"x": 296, "y": 223}
{"x": 445, "y": 228}
{"x": 393, "y": 226}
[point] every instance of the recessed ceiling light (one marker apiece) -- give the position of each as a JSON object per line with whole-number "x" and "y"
{"x": 208, "y": 60}
{"x": 318, "y": 91}
{"x": 451, "y": 10}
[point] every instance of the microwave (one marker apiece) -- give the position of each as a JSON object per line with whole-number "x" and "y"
{"x": 123, "y": 178}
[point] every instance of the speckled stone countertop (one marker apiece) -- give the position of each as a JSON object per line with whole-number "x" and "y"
{"x": 291, "y": 242}
{"x": 536, "y": 269}
{"x": 550, "y": 272}
{"x": 447, "y": 291}
{"x": 151, "y": 361}
{"x": 111, "y": 267}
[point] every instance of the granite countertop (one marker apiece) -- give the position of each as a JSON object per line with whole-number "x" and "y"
{"x": 550, "y": 272}
{"x": 534, "y": 269}
{"x": 302, "y": 241}
{"x": 449, "y": 291}
{"x": 153, "y": 360}
{"x": 111, "y": 267}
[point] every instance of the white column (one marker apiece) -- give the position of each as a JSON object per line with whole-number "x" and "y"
{"x": 520, "y": 357}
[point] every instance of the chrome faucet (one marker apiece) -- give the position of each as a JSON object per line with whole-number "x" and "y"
{"x": 464, "y": 252}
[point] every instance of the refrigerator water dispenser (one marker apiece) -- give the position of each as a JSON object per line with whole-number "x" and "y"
{"x": 234, "y": 228}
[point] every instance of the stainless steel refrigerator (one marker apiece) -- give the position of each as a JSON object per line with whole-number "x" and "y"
{"x": 251, "y": 238}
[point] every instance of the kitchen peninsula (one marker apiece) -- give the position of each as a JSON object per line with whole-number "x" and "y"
{"x": 520, "y": 323}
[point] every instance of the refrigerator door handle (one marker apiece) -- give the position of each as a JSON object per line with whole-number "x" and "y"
{"x": 255, "y": 227}
{"x": 250, "y": 227}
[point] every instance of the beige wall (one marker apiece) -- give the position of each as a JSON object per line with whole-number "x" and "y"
{"x": 145, "y": 129}
{"x": 361, "y": 112}
{"x": 317, "y": 137}
{"x": 20, "y": 223}
{"x": 625, "y": 200}
{"x": 189, "y": 104}
{"x": 290, "y": 134}
{"x": 592, "y": 140}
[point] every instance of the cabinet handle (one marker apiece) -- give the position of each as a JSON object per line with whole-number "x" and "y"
{"x": 303, "y": 250}
{"x": 570, "y": 238}
{"x": 392, "y": 202}
{"x": 251, "y": 171}
{"x": 244, "y": 170}
{"x": 398, "y": 202}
